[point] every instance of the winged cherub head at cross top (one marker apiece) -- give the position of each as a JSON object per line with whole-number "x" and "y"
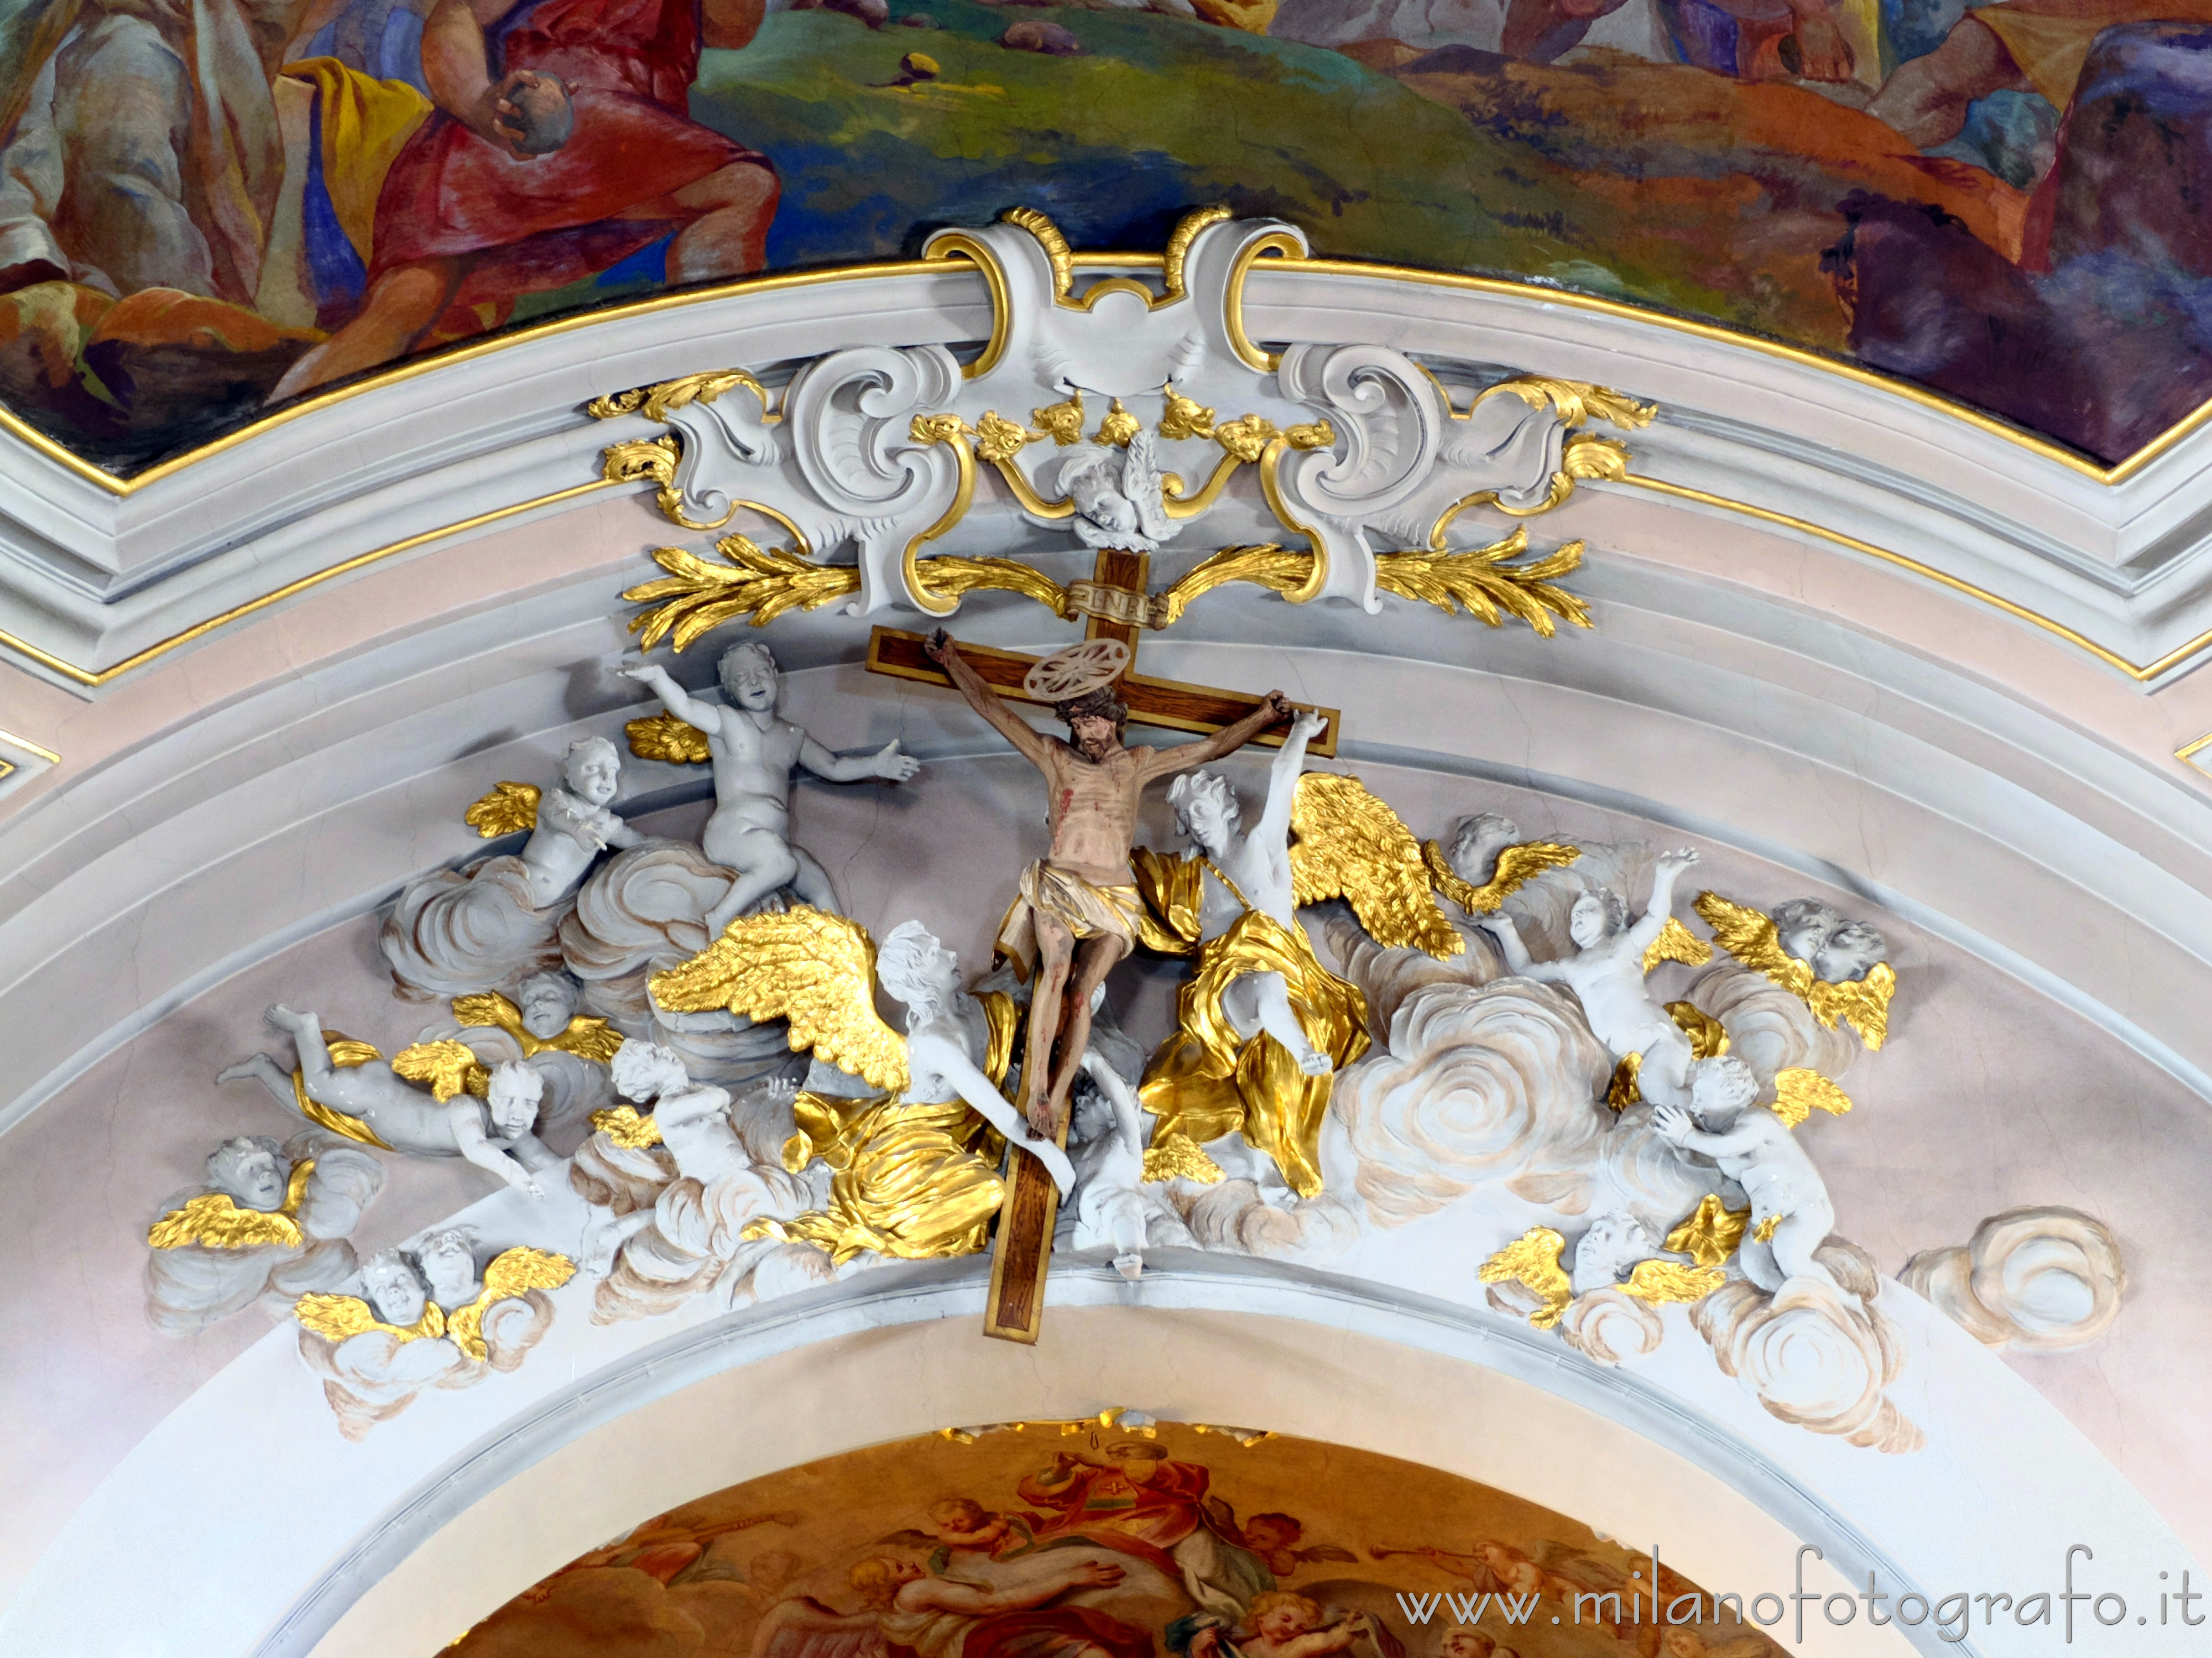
{"x": 1116, "y": 494}
{"x": 251, "y": 1172}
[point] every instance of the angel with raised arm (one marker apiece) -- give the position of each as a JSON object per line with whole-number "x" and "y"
{"x": 1262, "y": 1025}
{"x": 753, "y": 753}
{"x": 916, "y": 1165}
{"x": 346, "y": 1087}
{"x": 1607, "y": 973}
{"x": 497, "y": 920}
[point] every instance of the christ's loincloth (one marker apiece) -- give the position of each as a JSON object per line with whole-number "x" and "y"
{"x": 1086, "y": 910}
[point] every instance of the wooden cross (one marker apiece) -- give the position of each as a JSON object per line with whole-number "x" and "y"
{"x": 1112, "y": 599}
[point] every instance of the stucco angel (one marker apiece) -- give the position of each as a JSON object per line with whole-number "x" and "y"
{"x": 1607, "y": 973}
{"x": 1838, "y": 968}
{"x": 269, "y": 1220}
{"x": 457, "y": 932}
{"x": 428, "y": 1321}
{"x": 1117, "y": 496}
{"x": 1262, "y": 1025}
{"x": 915, "y": 1166}
{"x": 347, "y": 1087}
{"x": 1482, "y": 861}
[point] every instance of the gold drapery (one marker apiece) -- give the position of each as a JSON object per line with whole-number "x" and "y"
{"x": 910, "y": 1179}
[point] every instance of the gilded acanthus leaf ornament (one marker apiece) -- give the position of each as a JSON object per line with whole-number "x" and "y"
{"x": 341, "y": 1318}
{"x": 1711, "y": 1234}
{"x": 1752, "y": 937}
{"x": 1516, "y": 866}
{"x": 1798, "y": 1092}
{"x": 1351, "y": 846}
{"x": 628, "y": 1127}
{"x": 1532, "y": 1260}
{"x": 1671, "y": 1280}
{"x": 750, "y": 582}
{"x": 511, "y": 1274}
{"x": 507, "y": 809}
{"x": 805, "y": 966}
{"x": 1487, "y": 585}
{"x": 213, "y": 1221}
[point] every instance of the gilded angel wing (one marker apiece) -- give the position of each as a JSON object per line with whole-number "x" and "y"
{"x": 1797, "y": 1091}
{"x": 1514, "y": 868}
{"x": 509, "y": 809}
{"x": 512, "y": 1273}
{"x": 339, "y": 1318}
{"x": 1676, "y": 943}
{"x": 1670, "y": 1280}
{"x": 214, "y": 1222}
{"x": 1749, "y": 936}
{"x": 589, "y": 1039}
{"x": 1533, "y": 1262}
{"x": 489, "y": 1011}
{"x": 1863, "y": 1003}
{"x": 1350, "y": 845}
{"x": 664, "y": 737}
{"x": 628, "y": 1127}
{"x": 815, "y": 970}
{"x": 442, "y": 1066}
{"x": 1709, "y": 1236}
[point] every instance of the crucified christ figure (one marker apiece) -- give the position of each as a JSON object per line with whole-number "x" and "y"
{"x": 1078, "y": 910}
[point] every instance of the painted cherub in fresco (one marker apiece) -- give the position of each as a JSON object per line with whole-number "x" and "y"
{"x": 753, "y": 753}
{"x": 1275, "y": 1538}
{"x": 1283, "y": 1625}
{"x": 964, "y": 1525}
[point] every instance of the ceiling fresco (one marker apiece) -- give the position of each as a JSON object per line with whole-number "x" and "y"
{"x": 208, "y": 212}
{"x": 1081, "y": 1538}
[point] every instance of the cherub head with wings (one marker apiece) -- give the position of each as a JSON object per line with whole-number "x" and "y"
{"x": 546, "y": 1001}
{"x": 1117, "y": 496}
{"x": 395, "y": 1290}
{"x": 251, "y": 1171}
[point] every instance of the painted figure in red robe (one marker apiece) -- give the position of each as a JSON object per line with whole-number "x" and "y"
{"x": 562, "y": 144}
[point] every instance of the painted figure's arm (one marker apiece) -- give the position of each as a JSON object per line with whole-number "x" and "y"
{"x": 456, "y": 66}
{"x": 977, "y": 1600}
{"x": 1273, "y": 711}
{"x": 730, "y": 25}
{"x": 932, "y": 1052}
{"x": 701, "y": 716}
{"x": 941, "y": 650}
{"x": 886, "y": 763}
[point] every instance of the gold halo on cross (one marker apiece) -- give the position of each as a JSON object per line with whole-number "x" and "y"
{"x": 1078, "y": 671}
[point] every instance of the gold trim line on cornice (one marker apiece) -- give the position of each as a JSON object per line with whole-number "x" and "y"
{"x": 2189, "y": 752}
{"x": 2118, "y": 473}
{"x": 2172, "y": 658}
{"x": 162, "y": 647}
{"x": 29, "y": 747}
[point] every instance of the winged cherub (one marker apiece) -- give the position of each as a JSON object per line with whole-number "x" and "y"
{"x": 1484, "y": 861}
{"x": 1790, "y": 1211}
{"x": 457, "y": 932}
{"x": 1076, "y": 913}
{"x": 1838, "y": 968}
{"x": 753, "y": 753}
{"x": 359, "y": 1095}
{"x": 1607, "y": 973}
{"x": 1117, "y": 496}
{"x": 1263, "y": 1025}
{"x": 916, "y": 1164}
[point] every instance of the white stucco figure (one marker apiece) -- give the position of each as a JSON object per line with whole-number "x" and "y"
{"x": 269, "y": 1221}
{"x": 1788, "y": 1199}
{"x": 1607, "y": 973}
{"x": 1106, "y": 1132}
{"x": 380, "y": 1108}
{"x": 1117, "y": 496}
{"x": 1609, "y": 1250}
{"x": 496, "y": 921}
{"x": 1838, "y": 951}
{"x": 1472, "y": 845}
{"x": 753, "y": 753}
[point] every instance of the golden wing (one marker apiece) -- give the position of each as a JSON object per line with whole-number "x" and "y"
{"x": 1676, "y": 943}
{"x": 1797, "y": 1091}
{"x": 296, "y": 1189}
{"x": 1710, "y": 1236}
{"x": 1351, "y": 846}
{"x": 346, "y": 1053}
{"x": 1749, "y": 936}
{"x": 628, "y": 1127}
{"x": 1707, "y": 1038}
{"x": 509, "y": 809}
{"x": 1514, "y": 868}
{"x": 664, "y": 737}
{"x": 490, "y": 1011}
{"x": 214, "y": 1222}
{"x": 589, "y": 1039}
{"x": 443, "y": 1066}
{"x": 1533, "y": 1261}
{"x": 1863, "y": 1003}
{"x": 1669, "y": 1280}
{"x": 815, "y": 970}
{"x": 511, "y": 1274}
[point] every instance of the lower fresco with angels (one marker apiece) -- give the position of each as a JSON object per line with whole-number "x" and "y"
{"x": 1115, "y": 1538}
{"x": 1595, "y": 1085}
